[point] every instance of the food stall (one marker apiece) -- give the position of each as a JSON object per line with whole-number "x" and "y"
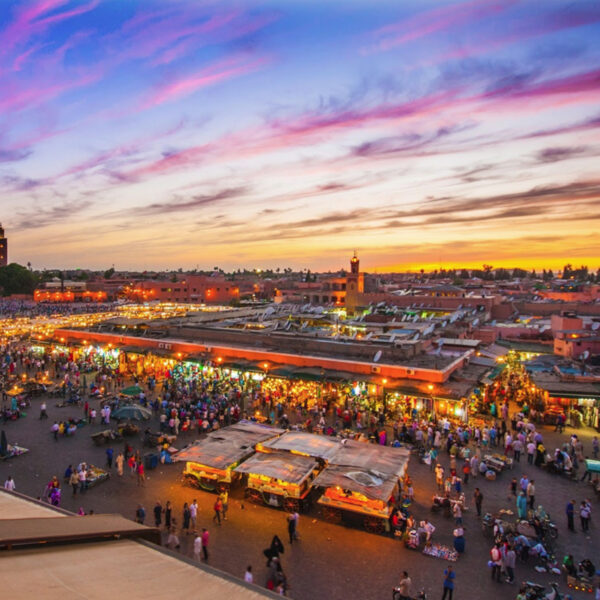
{"x": 279, "y": 479}
{"x": 362, "y": 481}
{"x": 211, "y": 460}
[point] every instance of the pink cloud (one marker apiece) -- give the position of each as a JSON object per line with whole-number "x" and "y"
{"x": 220, "y": 71}
{"x": 435, "y": 20}
{"x": 28, "y": 22}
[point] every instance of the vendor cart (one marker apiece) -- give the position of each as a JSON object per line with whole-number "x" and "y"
{"x": 361, "y": 483}
{"x": 279, "y": 479}
{"x": 128, "y": 429}
{"x": 96, "y": 475}
{"x": 210, "y": 462}
{"x": 498, "y": 462}
{"x": 105, "y": 437}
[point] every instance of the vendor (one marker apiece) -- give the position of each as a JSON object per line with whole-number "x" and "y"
{"x": 568, "y": 565}
{"x": 586, "y": 566}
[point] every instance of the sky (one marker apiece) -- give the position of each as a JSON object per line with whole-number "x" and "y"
{"x": 152, "y": 134}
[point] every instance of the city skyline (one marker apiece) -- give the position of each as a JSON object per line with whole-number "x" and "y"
{"x": 426, "y": 134}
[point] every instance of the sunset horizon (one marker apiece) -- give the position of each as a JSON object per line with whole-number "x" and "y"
{"x": 426, "y": 135}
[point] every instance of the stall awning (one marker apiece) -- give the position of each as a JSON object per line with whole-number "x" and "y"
{"x": 490, "y": 376}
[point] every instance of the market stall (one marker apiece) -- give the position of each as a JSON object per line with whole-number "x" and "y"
{"x": 305, "y": 444}
{"x": 279, "y": 479}
{"x": 362, "y": 480}
{"x": 211, "y": 460}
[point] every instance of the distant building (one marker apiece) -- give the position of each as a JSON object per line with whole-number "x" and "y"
{"x": 196, "y": 289}
{"x": 3, "y": 248}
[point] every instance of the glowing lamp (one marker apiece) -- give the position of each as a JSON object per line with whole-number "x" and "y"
{"x": 384, "y": 381}
{"x": 430, "y": 387}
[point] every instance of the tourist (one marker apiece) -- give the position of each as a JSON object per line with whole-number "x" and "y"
{"x": 224, "y": 497}
{"x": 186, "y": 518}
{"x": 193, "y": 512}
{"x": 9, "y": 484}
{"x": 404, "y": 587}
{"x": 140, "y": 514}
{"x": 158, "y": 510}
{"x": 449, "y": 577}
{"x": 205, "y": 539}
{"x": 217, "y": 507}
{"x": 584, "y": 515}
{"x": 198, "y": 547}
{"x": 478, "y": 496}
{"x": 531, "y": 494}
{"x": 291, "y": 525}
{"x": 570, "y": 512}
{"x": 496, "y": 562}
{"x": 119, "y": 461}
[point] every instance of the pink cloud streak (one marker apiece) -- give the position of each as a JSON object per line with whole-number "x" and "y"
{"x": 435, "y": 20}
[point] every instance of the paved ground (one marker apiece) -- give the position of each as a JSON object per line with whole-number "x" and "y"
{"x": 329, "y": 561}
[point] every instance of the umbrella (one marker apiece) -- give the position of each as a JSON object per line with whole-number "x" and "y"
{"x": 133, "y": 411}
{"x": 133, "y": 390}
{"x": 3, "y": 444}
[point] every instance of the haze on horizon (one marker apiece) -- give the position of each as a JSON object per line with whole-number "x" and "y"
{"x": 154, "y": 135}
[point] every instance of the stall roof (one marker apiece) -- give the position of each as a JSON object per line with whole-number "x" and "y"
{"x": 311, "y": 444}
{"x": 372, "y": 484}
{"x": 372, "y": 457}
{"x": 368, "y": 469}
{"x": 292, "y": 468}
{"x": 221, "y": 449}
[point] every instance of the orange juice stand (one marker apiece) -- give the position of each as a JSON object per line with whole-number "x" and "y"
{"x": 279, "y": 479}
{"x": 360, "y": 482}
{"x": 210, "y": 461}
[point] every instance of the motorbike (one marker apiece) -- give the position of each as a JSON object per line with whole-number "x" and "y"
{"x": 420, "y": 596}
{"x": 534, "y": 591}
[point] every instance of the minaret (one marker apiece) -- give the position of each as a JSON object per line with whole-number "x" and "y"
{"x": 3, "y": 248}
{"x": 355, "y": 284}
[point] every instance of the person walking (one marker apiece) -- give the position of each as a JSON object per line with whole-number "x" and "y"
{"x": 158, "y": 510}
{"x": 291, "y": 526}
{"x": 496, "y": 560}
{"x": 193, "y": 512}
{"x": 168, "y": 512}
{"x": 140, "y": 514}
{"x": 570, "y": 511}
{"x": 172, "y": 539}
{"x": 584, "y": 515}
{"x": 109, "y": 457}
{"x": 43, "y": 413}
{"x": 119, "y": 461}
{"x": 74, "y": 482}
{"x": 531, "y": 494}
{"x": 198, "y": 547}
{"x": 510, "y": 559}
{"x": 217, "y": 507}
{"x": 9, "y": 484}
{"x": 595, "y": 447}
{"x": 224, "y": 497}
{"x": 404, "y": 587}
{"x": 141, "y": 475}
{"x": 522, "y": 506}
{"x": 205, "y": 537}
{"x": 186, "y": 517}
{"x": 449, "y": 577}
{"x": 478, "y": 496}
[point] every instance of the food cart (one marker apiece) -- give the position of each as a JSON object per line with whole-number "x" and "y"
{"x": 279, "y": 479}
{"x": 210, "y": 461}
{"x": 96, "y": 475}
{"x": 362, "y": 482}
{"x": 498, "y": 462}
